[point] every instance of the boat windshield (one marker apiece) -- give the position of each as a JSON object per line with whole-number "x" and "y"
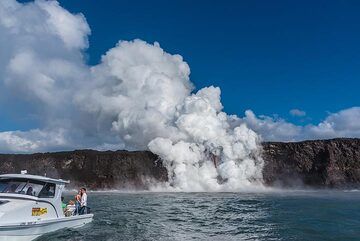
{"x": 27, "y": 187}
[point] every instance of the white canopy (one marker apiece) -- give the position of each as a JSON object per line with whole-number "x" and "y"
{"x": 35, "y": 177}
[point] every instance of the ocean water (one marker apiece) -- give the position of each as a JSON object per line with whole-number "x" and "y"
{"x": 282, "y": 215}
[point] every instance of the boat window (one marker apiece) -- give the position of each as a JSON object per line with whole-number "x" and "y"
{"x": 21, "y": 186}
{"x": 48, "y": 191}
{"x": 32, "y": 189}
{"x": 9, "y": 186}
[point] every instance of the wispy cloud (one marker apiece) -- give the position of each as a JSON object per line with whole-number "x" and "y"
{"x": 297, "y": 113}
{"x": 344, "y": 123}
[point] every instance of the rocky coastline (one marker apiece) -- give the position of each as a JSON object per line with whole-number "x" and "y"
{"x": 331, "y": 163}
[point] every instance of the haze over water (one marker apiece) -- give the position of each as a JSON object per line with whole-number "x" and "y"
{"x": 291, "y": 215}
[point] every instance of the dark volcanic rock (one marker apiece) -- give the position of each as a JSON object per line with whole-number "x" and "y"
{"x": 94, "y": 169}
{"x": 319, "y": 163}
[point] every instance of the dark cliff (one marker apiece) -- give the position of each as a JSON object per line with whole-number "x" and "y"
{"x": 320, "y": 163}
{"x": 94, "y": 169}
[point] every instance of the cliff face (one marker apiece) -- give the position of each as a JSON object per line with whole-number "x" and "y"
{"x": 93, "y": 169}
{"x": 321, "y": 163}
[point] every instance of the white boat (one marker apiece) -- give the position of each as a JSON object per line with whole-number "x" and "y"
{"x": 31, "y": 206}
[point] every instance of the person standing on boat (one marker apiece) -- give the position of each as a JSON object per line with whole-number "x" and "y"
{"x": 83, "y": 201}
{"x": 77, "y": 202}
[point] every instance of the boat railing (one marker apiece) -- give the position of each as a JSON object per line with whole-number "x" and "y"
{"x": 72, "y": 210}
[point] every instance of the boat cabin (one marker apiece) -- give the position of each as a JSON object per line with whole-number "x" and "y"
{"x": 39, "y": 196}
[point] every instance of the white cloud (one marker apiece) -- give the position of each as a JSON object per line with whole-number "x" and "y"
{"x": 344, "y": 123}
{"x": 72, "y": 29}
{"x": 41, "y": 67}
{"x": 271, "y": 128}
{"x": 28, "y": 141}
{"x": 41, "y": 48}
{"x": 297, "y": 112}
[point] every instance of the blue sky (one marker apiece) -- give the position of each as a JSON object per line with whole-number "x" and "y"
{"x": 268, "y": 56}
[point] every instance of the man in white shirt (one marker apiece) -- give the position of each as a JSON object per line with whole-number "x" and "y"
{"x": 83, "y": 202}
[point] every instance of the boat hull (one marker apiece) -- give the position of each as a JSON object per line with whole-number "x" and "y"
{"x": 32, "y": 230}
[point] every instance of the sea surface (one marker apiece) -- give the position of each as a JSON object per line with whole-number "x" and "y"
{"x": 281, "y": 215}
